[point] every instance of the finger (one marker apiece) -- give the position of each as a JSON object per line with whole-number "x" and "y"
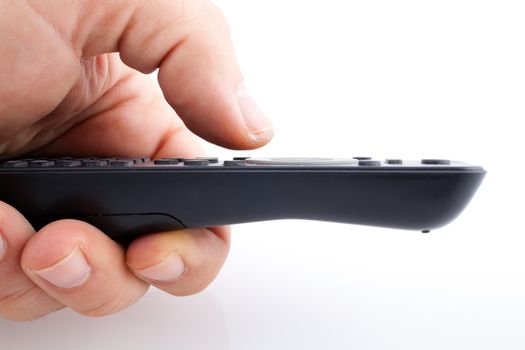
{"x": 181, "y": 262}
{"x": 79, "y": 266}
{"x": 131, "y": 119}
{"x": 20, "y": 298}
{"x": 189, "y": 41}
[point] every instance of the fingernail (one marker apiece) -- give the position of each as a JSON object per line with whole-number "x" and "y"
{"x": 72, "y": 271}
{"x": 254, "y": 118}
{"x": 168, "y": 269}
{"x": 2, "y": 245}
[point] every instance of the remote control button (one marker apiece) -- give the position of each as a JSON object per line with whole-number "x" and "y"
{"x": 93, "y": 163}
{"x": 240, "y": 158}
{"x": 236, "y": 162}
{"x": 41, "y": 163}
{"x": 15, "y": 164}
{"x": 366, "y": 162}
{"x": 67, "y": 163}
{"x": 211, "y": 160}
{"x": 166, "y": 161}
{"x": 122, "y": 162}
{"x": 137, "y": 160}
{"x": 362, "y": 158}
{"x": 301, "y": 161}
{"x": 195, "y": 162}
{"x": 436, "y": 161}
{"x": 394, "y": 161}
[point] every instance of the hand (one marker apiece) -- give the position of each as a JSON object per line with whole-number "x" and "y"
{"x": 65, "y": 91}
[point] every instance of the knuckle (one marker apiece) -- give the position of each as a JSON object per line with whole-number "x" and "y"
{"x": 202, "y": 17}
{"x": 189, "y": 10}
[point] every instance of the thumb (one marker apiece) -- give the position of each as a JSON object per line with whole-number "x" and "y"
{"x": 190, "y": 42}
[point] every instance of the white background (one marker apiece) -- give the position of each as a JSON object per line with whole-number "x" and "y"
{"x": 407, "y": 79}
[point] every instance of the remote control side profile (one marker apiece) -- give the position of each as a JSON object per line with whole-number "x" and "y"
{"x": 130, "y": 197}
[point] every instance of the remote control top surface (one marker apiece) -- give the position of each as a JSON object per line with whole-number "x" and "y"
{"x": 98, "y": 163}
{"x": 126, "y": 197}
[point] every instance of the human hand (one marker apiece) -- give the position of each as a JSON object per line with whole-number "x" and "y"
{"x": 66, "y": 91}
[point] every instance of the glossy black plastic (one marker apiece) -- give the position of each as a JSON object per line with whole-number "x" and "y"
{"x": 129, "y": 200}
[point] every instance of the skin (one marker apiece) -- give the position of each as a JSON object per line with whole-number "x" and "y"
{"x": 73, "y": 84}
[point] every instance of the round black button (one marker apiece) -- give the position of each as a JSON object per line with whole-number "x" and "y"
{"x": 93, "y": 163}
{"x": 15, "y": 164}
{"x": 122, "y": 162}
{"x": 67, "y": 163}
{"x": 41, "y": 163}
{"x": 435, "y": 161}
{"x": 166, "y": 161}
{"x": 366, "y": 162}
{"x": 211, "y": 160}
{"x": 236, "y": 162}
{"x": 196, "y": 162}
{"x": 138, "y": 160}
{"x": 394, "y": 161}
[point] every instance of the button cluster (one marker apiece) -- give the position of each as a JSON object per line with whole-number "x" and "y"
{"x": 97, "y": 162}
{"x": 199, "y": 161}
{"x": 359, "y": 161}
{"x": 70, "y": 162}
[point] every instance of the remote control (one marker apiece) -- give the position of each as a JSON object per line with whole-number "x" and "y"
{"x": 129, "y": 197}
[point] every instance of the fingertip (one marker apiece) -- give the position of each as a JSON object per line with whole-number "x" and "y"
{"x": 216, "y": 108}
{"x": 54, "y": 242}
{"x": 258, "y": 124}
{"x": 81, "y": 267}
{"x": 202, "y": 81}
{"x": 182, "y": 262}
{"x": 59, "y": 254}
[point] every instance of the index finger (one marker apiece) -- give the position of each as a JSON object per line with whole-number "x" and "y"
{"x": 190, "y": 42}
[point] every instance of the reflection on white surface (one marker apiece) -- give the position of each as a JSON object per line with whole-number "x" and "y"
{"x": 317, "y": 286}
{"x": 158, "y": 321}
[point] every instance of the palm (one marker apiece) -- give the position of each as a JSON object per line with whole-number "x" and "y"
{"x": 109, "y": 109}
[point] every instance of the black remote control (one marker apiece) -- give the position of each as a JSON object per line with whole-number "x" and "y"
{"x": 129, "y": 197}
